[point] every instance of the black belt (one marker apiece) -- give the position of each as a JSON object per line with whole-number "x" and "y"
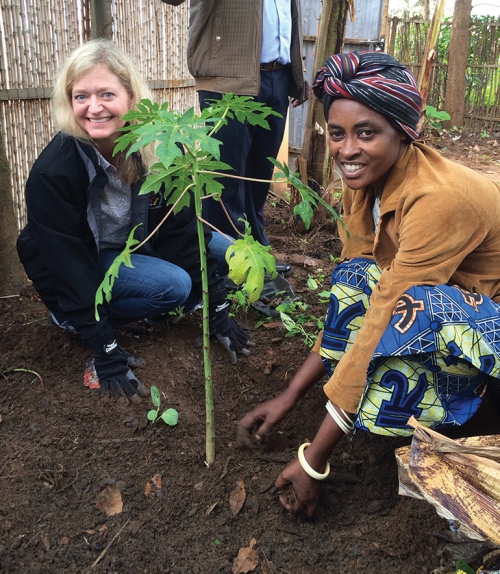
{"x": 271, "y": 66}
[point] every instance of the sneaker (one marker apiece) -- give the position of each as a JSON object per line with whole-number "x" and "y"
{"x": 283, "y": 268}
{"x": 159, "y": 321}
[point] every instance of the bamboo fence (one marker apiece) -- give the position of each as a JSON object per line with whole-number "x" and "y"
{"x": 406, "y": 42}
{"x": 36, "y": 36}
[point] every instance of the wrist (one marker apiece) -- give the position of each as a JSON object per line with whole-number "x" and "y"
{"x": 289, "y": 398}
{"x": 309, "y": 468}
{"x": 317, "y": 457}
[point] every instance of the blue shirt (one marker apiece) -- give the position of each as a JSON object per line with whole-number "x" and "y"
{"x": 276, "y": 31}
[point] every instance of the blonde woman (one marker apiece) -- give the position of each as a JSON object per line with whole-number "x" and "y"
{"x": 82, "y": 202}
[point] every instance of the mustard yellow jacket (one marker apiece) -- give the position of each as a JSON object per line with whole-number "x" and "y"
{"x": 439, "y": 223}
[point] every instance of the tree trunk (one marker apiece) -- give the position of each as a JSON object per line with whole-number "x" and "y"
{"x": 454, "y": 100}
{"x": 100, "y": 19}
{"x": 329, "y": 41}
{"x": 12, "y": 277}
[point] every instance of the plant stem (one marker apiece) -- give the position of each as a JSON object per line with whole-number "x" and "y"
{"x": 222, "y": 174}
{"x": 228, "y": 237}
{"x": 209, "y": 403}
{"x": 144, "y": 241}
{"x": 21, "y": 370}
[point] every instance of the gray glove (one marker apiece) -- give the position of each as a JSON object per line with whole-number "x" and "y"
{"x": 230, "y": 335}
{"x": 115, "y": 376}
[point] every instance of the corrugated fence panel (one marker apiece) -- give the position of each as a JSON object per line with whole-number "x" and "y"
{"x": 311, "y": 11}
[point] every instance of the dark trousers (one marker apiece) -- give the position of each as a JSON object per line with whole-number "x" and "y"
{"x": 246, "y": 149}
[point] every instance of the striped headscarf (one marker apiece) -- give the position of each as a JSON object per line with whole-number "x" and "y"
{"x": 375, "y": 80}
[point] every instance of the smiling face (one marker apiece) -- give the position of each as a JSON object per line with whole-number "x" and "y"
{"x": 99, "y": 100}
{"x": 363, "y": 144}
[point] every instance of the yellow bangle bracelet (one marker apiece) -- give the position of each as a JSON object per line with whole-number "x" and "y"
{"x": 307, "y": 468}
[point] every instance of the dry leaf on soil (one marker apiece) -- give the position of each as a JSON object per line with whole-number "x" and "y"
{"x": 110, "y": 500}
{"x": 237, "y": 497}
{"x": 268, "y": 567}
{"x": 268, "y": 369}
{"x": 247, "y": 559}
{"x": 298, "y": 259}
{"x": 272, "y": 325}
{"x": 156, "y": 480}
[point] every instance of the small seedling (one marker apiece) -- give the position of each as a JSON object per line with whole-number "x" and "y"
{"x": 239, "y": 302}
{"x": 170, "y": 416}
{"x": 312, "y": 283}
{"x": 324, "y": 296}
{"x": 334, "y": 259}
{"x": 295, "y": 328}
{"x": 435, "y": 116}
{"x": 177, "y": 314}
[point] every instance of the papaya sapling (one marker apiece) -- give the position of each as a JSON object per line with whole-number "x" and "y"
{"x": 189, "y": 167}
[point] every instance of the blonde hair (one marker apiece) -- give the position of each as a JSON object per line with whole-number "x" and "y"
{"x": 89, "y": 55}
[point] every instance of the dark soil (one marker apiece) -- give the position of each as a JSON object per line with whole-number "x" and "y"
{"x": 62, "y": 445}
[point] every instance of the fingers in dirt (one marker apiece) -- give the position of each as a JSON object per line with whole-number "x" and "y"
{"x": 246, "y": 439}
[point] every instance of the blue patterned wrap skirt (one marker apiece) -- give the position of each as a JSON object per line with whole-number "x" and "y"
{"x": 434, "y": 359}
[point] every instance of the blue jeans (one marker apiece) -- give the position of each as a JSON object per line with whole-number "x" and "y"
{"x": 153, "y": 286}
{"x": 218, "y": 246}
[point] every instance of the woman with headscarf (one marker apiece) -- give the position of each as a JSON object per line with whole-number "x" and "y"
{"x": 412, "y": 327}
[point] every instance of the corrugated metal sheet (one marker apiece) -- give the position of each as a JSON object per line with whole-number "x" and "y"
{"x": 311, "y": 11}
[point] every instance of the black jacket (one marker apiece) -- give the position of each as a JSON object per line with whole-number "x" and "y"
{"x": 59, "y": 245}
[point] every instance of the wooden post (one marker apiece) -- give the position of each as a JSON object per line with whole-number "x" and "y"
{"x": 330, "y": 39}
{"x": 391, "y": 43}
{"x": 12, "y": 277}
{"x": 429, "y": 58}
{"x": 454, "y": 99}
{"x": 100, "y": 19}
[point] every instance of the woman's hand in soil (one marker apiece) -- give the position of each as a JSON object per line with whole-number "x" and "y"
{"x": 264, "y": 417}
{"x": 303, "y": 496}
{"x": 261, "y": 420}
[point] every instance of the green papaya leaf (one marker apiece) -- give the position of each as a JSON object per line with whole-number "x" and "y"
{"x": 248, "y": 262}
{"x": 434, "y": 113}
{"x": 155, "y": 396}
{"x": 310, "y": 198}
{"x": 170, "y": 416}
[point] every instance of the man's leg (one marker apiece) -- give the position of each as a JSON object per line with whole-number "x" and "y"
{"x": 265, "y": 143}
